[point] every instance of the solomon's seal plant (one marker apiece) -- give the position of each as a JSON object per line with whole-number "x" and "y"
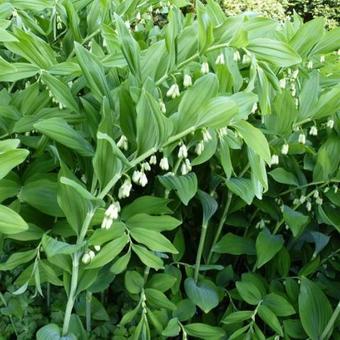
{"x": 167, "y": 171}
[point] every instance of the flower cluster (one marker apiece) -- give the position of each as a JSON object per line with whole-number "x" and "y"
{"x": 111, "y": 214}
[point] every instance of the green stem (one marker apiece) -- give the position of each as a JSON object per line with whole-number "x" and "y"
{"x": 200, "y": 250}
{"x": 75, "y": 273}
{"x": 331, "y": 322}
{"x": 88, "y": 300}
{"x": 220, "y": 226}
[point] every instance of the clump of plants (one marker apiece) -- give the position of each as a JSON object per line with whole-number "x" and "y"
{"x": 167, "y": 171}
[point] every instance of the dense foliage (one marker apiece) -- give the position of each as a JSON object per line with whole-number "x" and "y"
{"x": 167, "y": 171}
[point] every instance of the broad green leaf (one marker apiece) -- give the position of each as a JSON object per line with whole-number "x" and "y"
{"x": 327, "y": 104}
{"x": 237, "y": 317}
{"x": 147, "y": 257}
{"x": 50, "y": 331}
{"x": 108, "y": 252}
{"x": 249, "y": 292}
{"x": 42, "y": 195}
{"x": 274, "y": 51}
{"x": 283, "y": 176}
{"x": 267, "y": 246}
{"x": 61, "y": 91}
{"x": 152, "y": 223}
{"x": 158, "y": 299}
{"x": 203, "y": 294}
{"x": 235, "y": 245}
{"x": 278, "y": 304}
{"x": 295, "y": 220}
{"x": 209, "y": 206}
{"x": 121, "y": 264}
{"x": 17, "y": 259}
{"x": 205, "y": 28}
{"x": 6, "y": 36}
{"x": 11, "y": 222}
{"x": 153, "y": 240}
{"x": 185, "y": 186}
{"x": 194, "y": 99}
{"x": 254, "y": 139}
{"x": 186, "y": 309}
{"x": 54, "y": 247}
{"x": 204, "y": 331}
{"x": 161, "y": 282}
{"x": 10, "y": 159}
{"x": 150, "y": 118}
{"x": 172, "y": 329}
{"x": 314, "y": 308}
{"x": 60, "y": 131}
{"x": 133, "y": 281}
{"x": 242, "y": 187}
{"x": 329, "y": 42}
{"x": 270, "y": 319}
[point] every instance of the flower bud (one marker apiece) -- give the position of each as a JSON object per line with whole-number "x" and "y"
{"x": 97, "y": 248}
{"x": 86, "y": 258}
{"x": 330, "y": 123}
{"x": 187, "y": 81}
{"x": 123, "y": 143}
{"x": 153, "y": 160}
{"x": 302, "y": 138}
{"x": 236, "y": 56}
{"x": 173, "y": 91}
{"x": 164, "y": 163}
{"x": 199, "y": 148}
{"x": 125, "y": 189}
{"x": 220, "y": 59}
{"x": 313, "y": 131}
{"x": 183, "y": 151}
{"x": 205, "y": 68}
{"x": 274, "y": 160}
{"x": 285, "y": 149}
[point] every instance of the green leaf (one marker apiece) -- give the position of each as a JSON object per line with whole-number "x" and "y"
{"x": 209, "y": 206}
{"x": 249, "y": 292}
{"x": 270, "y": 319}
{"x": 53, "y": 247}
{"x": 153, "y": 223}
{"x": 241, "y": 187}
{"x": 172, "y": 329}
{"x": 278, "y": 304}
{"x": 185, "y": 186}
{"x": 314, "y": 308}
{"x": 147, "y": 257}
{"x": 237, "y": 317}
{"x": 108, "y": 252}
{"x": 42, "y": 195}
{"x": 202, "y": 294}
{"x": 133, "y": 281}
{"x": 61, "y": 91}
{"x": 194, "y": 99}
{"x": 267, "y": 246}
{"x": 295, "y": 220}
{"x": 283, "y": 176}
{"x": 204, "y": 331}
{"x": 10, "y": 159}
{"x": 11, "y": 222}
{"x": 60, "y": 131}
{"x": 274, "y": 51}
{"x": 235, "y": 245}
{"x": 161, "y": 282}
{"x": 17, "y": 259}
{"x": 254, "y": 139}
{"x": 121, "y": 264}
{"x": 327, "y": 104}
{"x": 50, "y": 331}
{"x": 158, "y": 299}
{"x": 150, "y": 118}
{"x": 153, "y": 240}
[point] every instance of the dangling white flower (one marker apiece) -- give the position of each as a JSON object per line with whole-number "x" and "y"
{"x": 319, "y": 201}
{"x": 125, "y": 189}
{"x": 164, "y": 163}
{"x": 162, "y": 107}
{"x": 187, "y": 81}
{"x": 143, "y": 180}
{"x": 326, "y": 190}
{"x": 136, "y": 176}
{"x": 113, "y": 210}
{"x": 313, "y": 131}
{"x": 316, "y": 194}
{"x": 285, "y": 149}
{"x": 302, "y": 199}
{"x": 61, "y": 106}
{"x": 205, "y": 68}
{"x": 302, "y": 138}
{"x": 254, "y": 108}
{"x": 296, "y": 201}
{"x": 236, "y": 56}
{"x": 91, "y": 254}
{"x": 123, "y": 143}
{"x": 295, "y": 73}
{"x": 173, "y": 91}
{"x": 97, "y": 248}
{"x": 138, "y": 16}
{"x": 104, "y": 43}
{"x": 274, "y": 160}
{"x": 206, "y": 135}
{"x": 310, "y": 65}
{"x": 220, "y": 59}
{"x": 199, "y": 148}
{"x": 322, "y": 59}
{"x": 296, "y": 102}
{"x": 185, "y": 167}
{"x": 309, "y": 206}
{"x": 145, "y": 166}
{"x": 153, "y": 160}
{"x": 86, "y": 258}
{"x": 223, "y": 131}
{"x": 330, "y": 123}
{"x": 282, "y": 83}
{"x": 127, "y": 24}
{"x": 335, "y": 187}
{"x": 183, "y": 151}
{"x": 246, "y": 59}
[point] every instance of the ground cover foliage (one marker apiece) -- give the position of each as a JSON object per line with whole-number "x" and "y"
{"x": 167, "y": 171}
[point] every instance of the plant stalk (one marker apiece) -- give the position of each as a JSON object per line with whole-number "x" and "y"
{"x": 88, "y": 310}
{"x": 331, "y": 322}
{"x": 200, "y": 250}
